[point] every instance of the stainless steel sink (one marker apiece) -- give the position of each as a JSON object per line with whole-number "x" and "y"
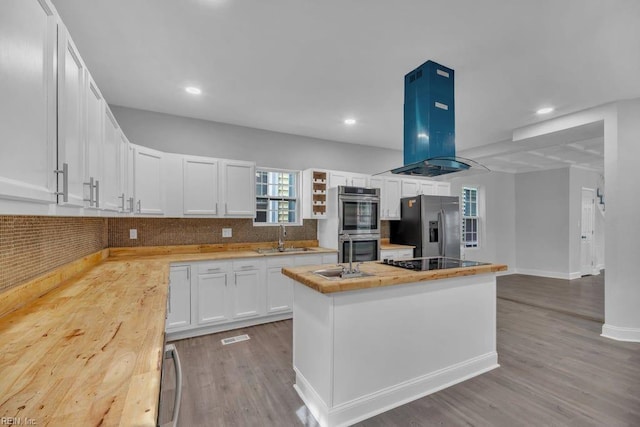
{"x": 276, "y": 250}
{"x": 339, "y": 274}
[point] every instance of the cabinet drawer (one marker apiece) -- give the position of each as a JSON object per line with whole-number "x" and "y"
{"x": 214, "y": 267}
{"x": 247, "y": 264}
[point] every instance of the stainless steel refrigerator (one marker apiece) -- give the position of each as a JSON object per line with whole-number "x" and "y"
{"x": 431, "y": 224}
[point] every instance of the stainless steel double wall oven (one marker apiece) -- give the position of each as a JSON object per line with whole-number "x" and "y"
{"x": 359, "y": 223}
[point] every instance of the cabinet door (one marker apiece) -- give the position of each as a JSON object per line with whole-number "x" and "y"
{"x": 338, "y": 178}
{"x": 28, "y": 106}
{"x": 443, "y": 189}
{"x": 279, "y": 291}
{"x": 239, "y": 187}
{"x": 392, "y": 187}
{"x": 71, "y": 121}
{"x": 95, "y": 134}
{"x": 200, "y": 186}
{"x": 126, "y": 174}
{"x": 148, "y": 181}
{"x": 179, "y": 300}
{"x": 246, "y": 293}
{"x": 359, "y": 180}
{"x": 213, "y": 298}
{"x": 111, "y": 163}
{"x": 427, "y": 188}
{"x": 410, "y": 187}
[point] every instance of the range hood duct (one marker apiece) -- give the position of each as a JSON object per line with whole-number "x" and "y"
{"x": 429, "y": 123}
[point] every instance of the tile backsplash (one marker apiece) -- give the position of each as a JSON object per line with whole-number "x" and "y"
{"x": 198, "y": 231}
{"x": 33, "y": 245}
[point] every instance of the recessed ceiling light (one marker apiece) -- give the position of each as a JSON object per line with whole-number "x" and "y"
{"x": 545, "y": 110}
{"x": 349, "y": 122}
{"x": 193, "y": 90}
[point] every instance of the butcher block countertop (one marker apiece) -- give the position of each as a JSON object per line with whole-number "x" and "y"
{"x": 381, "y": 275}
{"x": 89, "y": 351}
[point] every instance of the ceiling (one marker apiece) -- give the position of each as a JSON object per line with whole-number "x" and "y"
{"x": 303, "y": 66}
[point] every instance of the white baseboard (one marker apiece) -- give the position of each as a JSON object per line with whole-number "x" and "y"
{"x": 212, "y": 329}
{"x": 373, "y": 404}
{"x": 550, "y": 274}
{"x": 620, "y": 334}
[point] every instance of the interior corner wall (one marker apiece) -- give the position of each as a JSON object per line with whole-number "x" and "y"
{"x": 498, "y": 189}
{"x": 542, "y": 223}
{"x": 579, "y": 179}
{"x": 183, "y": 135}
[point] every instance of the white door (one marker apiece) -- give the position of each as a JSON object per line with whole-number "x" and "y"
{"x": 200, "y": 186}
{"x": 279, "y": 290}
{"x": 179, "y": 299}
{"x": 246, "y": 293}
{"x": 239, "y": 189}
{"x": 587, "y": 232}
{"x": 28, "y": 100}
{"x": 71, "y": 121}
{"x": 148, "y": 181}
{"x": 213, "y": 299}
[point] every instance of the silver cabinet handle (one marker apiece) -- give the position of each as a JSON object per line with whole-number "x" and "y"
{"x": 97, "y": 200}
{"x": 131, "y": 204}
{"x": 91, "y": 187}
{"x": 170, "y": 351}
{"x": 213, "y": 269}
{"x": 139, "y": 206}
{"x": 122, "y": 198}
{"x": 65, "y": 182}
{"x": 247, "y": 267}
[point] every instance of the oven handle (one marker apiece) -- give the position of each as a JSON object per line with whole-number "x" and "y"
{"x": 170, "y": 351}
{"x": 358, "y": 199}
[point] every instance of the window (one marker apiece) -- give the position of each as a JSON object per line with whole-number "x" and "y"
{"x": 470, "y": 218}
{"x": 277, "y": 197}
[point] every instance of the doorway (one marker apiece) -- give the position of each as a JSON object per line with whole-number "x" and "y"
{"x": 587, "y": 232}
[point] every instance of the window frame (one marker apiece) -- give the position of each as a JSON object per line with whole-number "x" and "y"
{"x": 297, "y": 198}
{"x": 477, "y": 218}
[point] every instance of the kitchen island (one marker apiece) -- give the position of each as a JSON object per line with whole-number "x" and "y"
{"x": 364, "y": 345}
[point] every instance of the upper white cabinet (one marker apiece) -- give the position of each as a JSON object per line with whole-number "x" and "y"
{"x": 390, "y": 192}
{"x": 147, "y": 181}
{"x": 71, "y": 121}
{"x": 111, "y": 163}
{"x": 238, "y": 191}
{"x": 443, "y": 188}
{"x": 410, "y": 187}
{"x": 200, "y": 185}
{"x": 337, "y": 178}
{"x": 28, "y": 101}
{"x": 95, "y": 137}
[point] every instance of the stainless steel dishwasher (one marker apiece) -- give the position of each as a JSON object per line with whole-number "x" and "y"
{"x": 169, "y": 417}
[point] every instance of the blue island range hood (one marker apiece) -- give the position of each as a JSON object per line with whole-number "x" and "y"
{"x": 429, "y": 122}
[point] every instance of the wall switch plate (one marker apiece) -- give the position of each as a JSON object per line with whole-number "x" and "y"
{"x": 226, "y": 232}
{"x": 133, "y": 233}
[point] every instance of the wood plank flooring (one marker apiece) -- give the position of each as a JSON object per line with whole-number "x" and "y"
{"x": 555, "y": 370}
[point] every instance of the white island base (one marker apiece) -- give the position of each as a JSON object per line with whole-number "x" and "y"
{"x": 359, "y": 353}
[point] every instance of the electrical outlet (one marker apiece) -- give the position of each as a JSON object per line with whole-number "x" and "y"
{"x": 226, "y": 232}
{"x": 133, "y": 233}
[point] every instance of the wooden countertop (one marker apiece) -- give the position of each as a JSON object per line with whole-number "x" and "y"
{"x": 89, "y": 352}
{"x": 381, "y": 275}
{"x": 386, "y": 244}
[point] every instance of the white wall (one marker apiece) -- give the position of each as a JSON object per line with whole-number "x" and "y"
{"x": 497, "y": 193}
{"x": 268, "y": 149}
{"x": 542, "y": 223}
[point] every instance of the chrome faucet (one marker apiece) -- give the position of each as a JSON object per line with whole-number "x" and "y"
{"x": 282, "y": 233}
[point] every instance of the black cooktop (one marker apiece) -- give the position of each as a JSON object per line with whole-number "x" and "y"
{"x": 431, "y": 263}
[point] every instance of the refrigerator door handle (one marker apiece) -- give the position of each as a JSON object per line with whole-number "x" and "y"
{"x": 443, "y": 232}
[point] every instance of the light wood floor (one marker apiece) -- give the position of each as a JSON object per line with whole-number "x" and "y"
{"x": 555, "y": 370}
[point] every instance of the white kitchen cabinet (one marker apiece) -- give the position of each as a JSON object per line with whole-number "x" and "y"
{"x": 410, "y": 187}
{"x": 337, "y": 178}
{"x": 238, "y": 189}
{"x": 112, "y": 146}
{"x": 94, "y": 143}
{"x": 179, "y": 298}
{"x": 200, "y": 185}
{"x": 71, "y": 121}
{"x": 126, "y": 174}
{"x": 390, "y": 192}
{"x": 213, "y": 296}
{"x": 28, "y": 107}
{"x": 427, "y": 188}
{"x": 396, "y": 253}
{"x": 443, "y": 188}
{"x": 279, "y": 286}
{"x": 248, "y": 291}
{"x": 147, "y": 181}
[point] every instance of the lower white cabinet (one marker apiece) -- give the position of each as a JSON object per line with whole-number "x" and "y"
{"x": 179, "y": 298}
{"x": 232, "y": 293}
